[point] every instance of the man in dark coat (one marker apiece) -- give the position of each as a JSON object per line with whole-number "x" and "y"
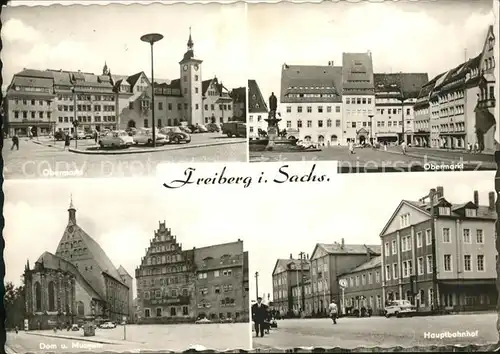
{"x": 15, "y": 142}
{"x": 259, "y": 316}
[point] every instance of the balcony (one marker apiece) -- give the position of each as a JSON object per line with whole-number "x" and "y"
{"x": 486, "y": 103}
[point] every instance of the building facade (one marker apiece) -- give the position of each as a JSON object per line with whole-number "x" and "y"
{"x": 289, "y": 273}
{"x": 361, "y": 288}
{"x": 45, "y": 101}
{"x": 328, "y": 263}
{"x": 463, "y": 277}
{"x": 176, "y": 285}
{"x": 239, "y": 96}
{"x": 257, "y": 110}
{"x": 77, "y": 283}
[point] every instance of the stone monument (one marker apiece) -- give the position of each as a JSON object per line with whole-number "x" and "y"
{"x": 272, "y": 122}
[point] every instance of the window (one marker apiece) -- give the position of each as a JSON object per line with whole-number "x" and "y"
{"x": 405, "y": 220}
{"x": 337, "y": 123}
{"x": 447, "y": 262}
{"x": 394, "y": 247}
{"x": 429, "y": 264}
{"x": 202, "y": 276}
{"x": 446, "y": 235}
{"x": 479, "y": 236}
{"x": 299, "y": 109}
{"x": 309, "y": 109}
{"x": 419, "y": 239}
{"x": 387, "y": 272}
{"x": 470, "y": 213}
{"x": 428, "y": 237}
{"x": 158, "y": 312}
{"x": 357, "y": 280}
{"x": 480, "y": 263}
{"x": 288, "y": 109}
{"x": 395, "y": 272}
{"x": 387, "y": 251}
{"x": 370, "y": 278}
{"x": 467, "y": 263}
{"x": 420, "y": 265}
{"x": 444, "y": 211}
{"x": 377, "y": 276}
{"x": 309, "y": 123}
{"x": 320, "y": 109}
{"x": 467, "y": 238}
{"x": 185, "y": 311}
{"x": 405, "y": 269}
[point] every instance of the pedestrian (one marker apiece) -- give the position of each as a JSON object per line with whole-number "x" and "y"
{"x": 96, "y": 136}
{"x": 67, "y": 140}
{"x": 385, "y": 145}
{"x": 469, "y": 147}
{"x": 403, "y": 147}
{"x": 17, "y": 330}
{"x": 259, "y": 316}
{"x": 333, "y": 311}
{"x": 15, "y": 142}
{"x": 351, "y": 147}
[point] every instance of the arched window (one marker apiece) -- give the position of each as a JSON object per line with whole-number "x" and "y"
{"x": 169, "y": 122}
{"x": 52, "y": 295}
{"x": 131, "y": 123}
{"x": 307, "y": 138}
{"x": 38, "y": 297}
{"x": 176, "y": 122}
{"x": 80, "y": 308}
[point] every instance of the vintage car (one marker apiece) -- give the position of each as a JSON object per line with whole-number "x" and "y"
{"x": 213, "y": 128}
{"x": 115, "y": 139}
{"x": 107, "y": 325}
{"x": 145, "y": 137}
{"x": 237, "y": 129}
{"x": 176, "y": 135}
{"x": 399, "y": 308}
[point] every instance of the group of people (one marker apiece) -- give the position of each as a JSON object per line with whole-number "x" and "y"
{"x": 262, "y": 316}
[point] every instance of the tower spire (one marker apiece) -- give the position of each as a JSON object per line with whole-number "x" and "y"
{"x": 190, "y": 42}
{"x": 105, "y": 69}
{"x": 72, "y": 211}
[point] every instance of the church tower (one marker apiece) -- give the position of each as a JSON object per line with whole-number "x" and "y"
{"x": 71, "y": 213}
{"x": 105, "y": 69}
{"x": 190, "y": 79}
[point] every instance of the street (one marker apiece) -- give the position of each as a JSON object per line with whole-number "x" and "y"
{"x": 366, "y": 159}
{"x": 379, "y": 331}
{"x": 38, "y": 160}
{"x": 177, "y": 338}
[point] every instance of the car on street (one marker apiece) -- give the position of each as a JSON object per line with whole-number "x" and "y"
{"x": 75, "y": 327}
{"x": 213, "y": 128}
{"x": 203, "y": 321}
{"x": 399, "y": 308}
{"x": 115, "y": 139}
{"x": 238, "y": 129}
{"x": 60, "y": 135}
{"x": 107, "y": 325}
{"x": 145, "y": 137}
{"x": 176, "y": 135}
{"x": 186, "y": 129}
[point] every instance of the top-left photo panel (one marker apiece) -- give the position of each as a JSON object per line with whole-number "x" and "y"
{"x": 114, "y": 90}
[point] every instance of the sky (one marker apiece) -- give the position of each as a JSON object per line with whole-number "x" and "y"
{"x": 120, "y": 214}
{"x": 355, "y": 207}
{"x": 408, "y": 36}
{"x": 83, "y": 38}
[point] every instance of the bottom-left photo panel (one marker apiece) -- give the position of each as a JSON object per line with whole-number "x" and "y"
{"x": 122, "y": 265}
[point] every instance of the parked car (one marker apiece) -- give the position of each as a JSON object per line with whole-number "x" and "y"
{"x": 116, "y": 139}
{"x": 213, "y": 128}
{"x": 237, "y": 129}
{"x": 399, "y": 308}
{"x": 107, "y": 325}
{"x": 79, "y": 134}
{"x": 176, "y": 135}
{"x": 61, "y": 135}
{"x": 89, "y": 134}
{"x": 203, "y": 320}
{"x": 145, "y": 137}
{"x": 202, "y": 128}
{"x": 75, "y": 327}
{"x": 186, "y": 129}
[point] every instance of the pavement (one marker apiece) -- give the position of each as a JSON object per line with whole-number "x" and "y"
{"x": 177, "y": 338}
{"x": 370, "y": 160}
{"x": 44, "y": 159}
{"x": 350, "y": 333}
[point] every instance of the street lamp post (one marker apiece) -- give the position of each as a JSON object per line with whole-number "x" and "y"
{"x": 151, "y": 38}
{"x": 256, "y": 285}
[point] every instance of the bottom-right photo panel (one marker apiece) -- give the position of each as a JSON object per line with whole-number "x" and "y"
{"x": 376, "y": 260}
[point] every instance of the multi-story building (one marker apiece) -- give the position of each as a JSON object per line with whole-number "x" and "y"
{"x": 300, "y": 291}
{"x": 176, "y": 285}
{"x": 362, "y": 288}
{"x": 257, "y": 110}
{"x": 328, "y": 263}
{"x": 460, "y": 237}
{"x": 395, "y": 97}
{"x": 462, "y": 102}
{"x": 286, "y": 274}
{"x": 239, "y": 96}
{"x": 79, "y": 282}
{"x": 49, "y": 100}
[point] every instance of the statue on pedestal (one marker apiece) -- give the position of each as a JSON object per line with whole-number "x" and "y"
{"x": 272, "y": 121}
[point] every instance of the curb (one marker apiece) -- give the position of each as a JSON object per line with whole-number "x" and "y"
{"x": 128, "y": 152}
{"x": 84, "y": 339}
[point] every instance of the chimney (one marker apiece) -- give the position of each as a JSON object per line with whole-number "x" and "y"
{"x": 331, "y": 63}
{"x": 342, "y": 244}
{"x": 291, "y": 256}
{"x": 440, "y": 192}
{"x": 476, "y": 197}
{"x": 491, "y": 200}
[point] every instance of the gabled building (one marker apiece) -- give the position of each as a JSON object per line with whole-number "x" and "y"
{"x": 77, "y": 283}
{"x": 287, "y": 274}
{"x": 437, "y": 250}
{"x": 257, "y": 111}
{"x": 328, "y": 263}
{"x": 176, "y": 285}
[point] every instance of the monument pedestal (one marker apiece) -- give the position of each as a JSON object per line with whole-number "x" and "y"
{"x": 272, "y": 132}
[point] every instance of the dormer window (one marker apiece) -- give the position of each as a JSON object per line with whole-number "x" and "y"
{"x": 470, "y": 213}
{"x": 405, "y": 220}
{"x": 444, "y": 211}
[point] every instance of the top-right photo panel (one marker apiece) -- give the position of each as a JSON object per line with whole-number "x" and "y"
{"x": 378, "y": 87}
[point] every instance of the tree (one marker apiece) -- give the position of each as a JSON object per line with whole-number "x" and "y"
{"x": 14, "y": 301}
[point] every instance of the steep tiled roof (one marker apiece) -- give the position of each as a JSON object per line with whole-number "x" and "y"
{"x": 285, "y": 262}
{"x": 217, "y": 251}
{"x": 483, "y": 212}
{"x": 256, "y": 102}
{"x": 357, "y": 73}
{"x": 32, "y": 81}
{"x": 122, "y": 271}
{"x": 375, "y": 262}
{"x": 132, "y": 80}
{"x": 338, "y": 248}
{"x": 319, "y": 83}
{"x": 410, "y": 83}
{"x": 36, "y": 73}
{"x": 52, "y": 261}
